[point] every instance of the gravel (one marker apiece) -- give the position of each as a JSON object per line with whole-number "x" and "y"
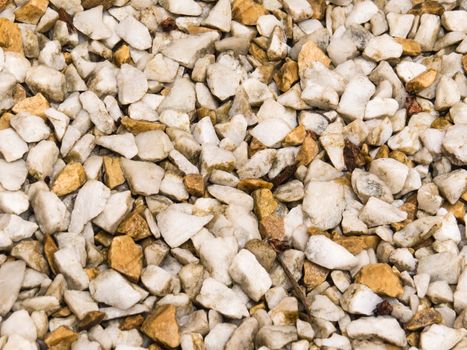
{"x": 233, "y": 174}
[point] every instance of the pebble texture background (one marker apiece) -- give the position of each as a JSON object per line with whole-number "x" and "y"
{"x": 238, "y": 175}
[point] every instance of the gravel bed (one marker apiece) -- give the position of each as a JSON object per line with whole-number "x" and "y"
{"x": 233, "y": 174}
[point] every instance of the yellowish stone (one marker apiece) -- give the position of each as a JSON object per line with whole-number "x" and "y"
{"x": 356, "y": 244}
{"x": 32, "y": 11}
{"x": 265, "y": 203}
{"x": 122, "y": 55}
{"x": 91, "y": 319}
{"x": 313, "y": 275}
{"x": 272, "y": 227}
{"x": 113, "y": 172}
{"x": 295, "y": 137}
{"x": 194, "y": 184}
{"x": 247, "y": 11}
{"x": 36, "y": 105}
{"x": 10, "y": 36}
{"x": 441, "y": 123}
{"x": 410, "y": 47}
{"x": 135, "y": 226}
{"x": 138, "y": 126}
{"x": 287, "y": 75}
{"x": 249, "y": 185}
{"x": 430, "y": 6}
{"x": 126, "y": 257}
{"x": 308, "y": 151}
{"x": 131, "y": 322}
{"x": 50, "y": 247}
{"x": 421, "y": 81}
{"x": 61, "y": 338}
{"x": 5, "y": 120}
{"x": 310, "y": 53}
{"x": 69, "y": 179}
{"x": 162, "y": 327}
{"x": 3, "y": 4}
{"x": 381, "y": 279}
{"x": 424, "y": 318}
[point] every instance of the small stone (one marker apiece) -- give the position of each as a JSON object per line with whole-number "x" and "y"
{"x": 131, "y": 322}
{"x": 440, "y": 337}
{"x": 10, "y": 36}
{"x": 287, "y": 75}
{"x": 313, "y": 275}
{"x": 113, "y": 172}
{"x": 382, "y": 48}
{"x": 308, "y": 151}
{"x": 132, "y": 83}
{"x": 356, "y": 244}
{"x": 134, "y": 33}
{"x": 143, "y": 177}
{"x": 263, "y": 252}
{"x": 217, "y": 296}
{"x": 11, "y": 278}
{"x": 309, "y": 54}
{"x": 250, "y": 184}
{"x": 89, "y": 203}
{"x": 36, "y": 105}
{"x": 381, "y": 279}
{"x": 134, "y": 225}
{"x": 91, "y": 319}
{"x": 69, "y": 179}
{"x": 359, "y": 299}
{"x": 122, "y": 55}
{"x": 31, "y": 11}
{"x": 194, "y": 184}
{"x": 430, "y": 6}
{"x": 247, "y": 11}
{"x": 177, "y": 227}
{"x": 326, "y": 253}
{"x": 377, "y": 212}
{"x": 138, "y": 126}
{"x": 383, "y": 327}
{"x": 324, "y": 203}
{"x": 250, "y": 275}
{"x": 113, "y": 289}
{"x": 161, "y": 326}
{"x": 275, "y": 337}
{"x": 410, "y": 47}
{"x": 61, "y": 338}
{"x": 424, "y": 318}
{"x": 47, "y": 81}
{"x": 12, "y": 146}
{"x": 126, "y": 257}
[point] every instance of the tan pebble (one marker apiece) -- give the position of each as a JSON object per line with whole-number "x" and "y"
{"x": 247, "y": 11}
{"x": 61, "y": 338}
{"x": 161, "y": 326}
{"x": 31, "y": 11}
{"x": 381, "y": 279}
{"x": 194, "y": 184}
{"x": 113, "y": 172}
{"x": 126, "y": 257}
{"x": 421, "y": 81}
{"x": 10, "y": 36}
{"x": 36, "y": 105}
{"x": 69, "y": 179}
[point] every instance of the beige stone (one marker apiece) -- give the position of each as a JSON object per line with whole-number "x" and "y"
{"x": 295, "y": 137}
{"x": 122, "y": 55}
{"x": 355, "y": 244}
{"x": 113, "y": 172}
{"x": 287, "y": 75}
{"x": 61, "y": 338}
{"x": 162, "y": 327}
{"x": 10, "y": 36}
{"x": 313, "y": 274}
{"x": 421, "y": 81}
{"x": 263, "y": 252}
{"x": 50, "y": 247}
{"x": 265, "y": 203}
{"x": 247, "y": 11}
{"x": 91, "y": 319}
{"x": 3, "y": 4}
{"x": 32, "y": 11}
{"x": 250, "y": 184}
{"x": 131, "y": 322}
{"x": 5, "y": 120}
{"x": 138, "y": 126}
{"x": 430, "y": 6}
{"x": 310, "y": 53}
{"x": 272, "y": 227}
{"x": 308, "y": 151}
{"x": 194, "y": 184}
{"x": 135, "y": 225}
{"x": 126, "y": 257}
{"x": 36, "y": 105}
{"x": 381, "y": 279}
{"x": 424, "y": 318}
{"x": 93, "y": 3}
{"x": 410, "y": 47}
{"x": 69, "y": 179}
